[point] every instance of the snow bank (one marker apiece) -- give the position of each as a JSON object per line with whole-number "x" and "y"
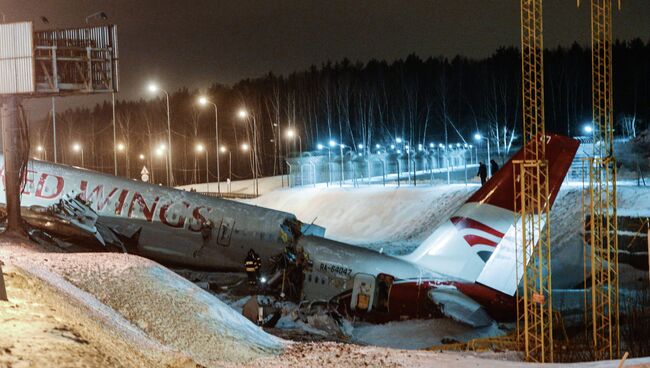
{"x": 266, "y": 184}
{"x": 396, "y": 219}
{"x": 50, "y": 308}
{"x": 421, "y": 333}
{"x": 167, "y": 307}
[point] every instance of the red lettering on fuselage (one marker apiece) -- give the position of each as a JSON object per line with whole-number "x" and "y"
{"x": 198, "y": 218}
{"x": 96, "y": 196}
{"x": 181, "y": 218}
{"x": 28, "y": 181}
{"x": 147, "y": 211}
{"x": 40, "y": 187}
{"x": 120, "y": 202}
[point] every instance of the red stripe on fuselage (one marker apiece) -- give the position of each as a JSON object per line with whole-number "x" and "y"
{"x": 473, "y": 240}
{"x": 468, "y": 223}
{"x": 410, "y": 299}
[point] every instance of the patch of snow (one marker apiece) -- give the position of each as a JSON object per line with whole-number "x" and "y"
{"x": 420, "y": 333}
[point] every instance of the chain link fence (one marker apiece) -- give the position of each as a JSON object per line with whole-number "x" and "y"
{"x": 455, "y": 165}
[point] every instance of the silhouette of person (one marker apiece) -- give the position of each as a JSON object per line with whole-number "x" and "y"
{"x": 494, "y": 167}
{"x": 482, "y": 172}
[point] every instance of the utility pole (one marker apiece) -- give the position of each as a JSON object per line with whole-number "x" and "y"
{"x": 54, "y": 130}
{"x": 115, "y": 139}
{"x": 13, "y": 154}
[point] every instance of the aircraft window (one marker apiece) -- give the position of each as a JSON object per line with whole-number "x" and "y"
{"x": 309, "y": 277}
{"x": 316, "y": 279}
{"x": 322, "y": 281}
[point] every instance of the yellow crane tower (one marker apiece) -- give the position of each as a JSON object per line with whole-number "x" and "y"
{"x": 601, "y": 259}
{"x": 534, "y": 312}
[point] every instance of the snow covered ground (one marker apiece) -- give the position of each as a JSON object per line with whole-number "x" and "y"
{"x": 397, "y": 219}
{"x": 148, "y": 305}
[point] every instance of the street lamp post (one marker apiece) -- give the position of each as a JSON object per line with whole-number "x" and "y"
{"x": 223, "y": 150}
{"x": 160, "y": 152}
{"x": 41, "y": 152}
{"x": 243, "y": 114}
{"x": 170, "y": 176}
{"x": 291, "y": 134}
{"x": 200, "y": 148}
{"x": 478, "y": 137}
{"x": 246, "y": 148}
{"x": 79, "y": 148}
{"x": 54, "y": 147}
{"x": 204, "y": 101}
{"x": 121, "y": 147}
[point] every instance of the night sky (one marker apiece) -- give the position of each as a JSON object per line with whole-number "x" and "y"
{"x": 196, "y": 42}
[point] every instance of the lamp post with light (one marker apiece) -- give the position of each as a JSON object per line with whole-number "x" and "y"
{"x": 243, "y": 114}
{"x": 291, "y": 134}
{"x": 479, "y": 138}
{"x": 200, "y": 148}
{"x": 121, "y": 147}
{"x": 41, "y": 152}
{"x": 223, "y": 149}
{"x": 160, "y": 152}
{"x": 153, "y": 88}
{"x": 204, "y": 101}
{"x": 79, "y": 148}
{"x": 245, "y": 147}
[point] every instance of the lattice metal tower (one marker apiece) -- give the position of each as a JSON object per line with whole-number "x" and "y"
{"x": 534, "y": 312}
{"x": 602, "y": 258}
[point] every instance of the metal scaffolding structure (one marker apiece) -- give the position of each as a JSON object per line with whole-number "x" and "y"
{"x": 534, "y": 307}
{"x": 601, "y": 259}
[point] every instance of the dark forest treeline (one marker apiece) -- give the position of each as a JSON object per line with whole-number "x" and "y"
{"x": 421, "y": 101}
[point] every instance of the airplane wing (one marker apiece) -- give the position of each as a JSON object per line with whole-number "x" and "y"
{"x": 459, "y": 307}
{"x": 71, "y": 219}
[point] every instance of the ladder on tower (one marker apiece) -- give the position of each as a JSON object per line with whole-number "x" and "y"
{"x": 601, "y": 258}
{"x": 534, "y": 307}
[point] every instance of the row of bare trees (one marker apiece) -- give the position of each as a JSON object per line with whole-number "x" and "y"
{"x": 422, "y": 101}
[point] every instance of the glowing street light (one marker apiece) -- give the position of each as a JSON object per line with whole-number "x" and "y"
{"x": 199, "y": 149}
{"x": 243, "y": 114}
{"x": 223, "y": 149}
{"x": 79, "y": 148}
{"x": 204, "y": 101}
{"x": 121, "y": 147}
{"x": 588, "y": 129}
{"x": 245, "y": 147}
{"x": 41, "y": 152}
{"x": 398, "y": 140}
{"x": 320, "y": 146}
{"x": 154, "y": 88}
{"x": 332, "y": 143}
{"x": 292, "y": 134}
{"x": 160, "y": 152}
{"x": 141, "y": 157}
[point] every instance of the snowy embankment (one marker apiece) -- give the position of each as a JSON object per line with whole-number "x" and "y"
{"x": 266, "y": 184}
{"x": 398, "y": 219}
{"x": 148, "y": 304}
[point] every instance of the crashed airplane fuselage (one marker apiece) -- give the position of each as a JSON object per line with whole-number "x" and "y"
{"x": 464, "y": 270}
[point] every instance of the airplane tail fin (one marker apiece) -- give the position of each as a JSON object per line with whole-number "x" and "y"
{"x": 477, "y": 243}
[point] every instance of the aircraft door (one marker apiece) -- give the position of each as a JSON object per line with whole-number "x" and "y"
{"x": 363, "y": 292}
{"x": 224, "y": 232}
{"x": 384, "y": 285}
